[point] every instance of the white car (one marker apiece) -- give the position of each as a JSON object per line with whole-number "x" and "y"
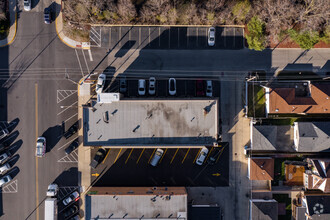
{"x": 201, "y": 156}
{"x": 4, "y": 168}
{"x": 72, "y": 197}
{"x": 152, "y": 85}
{"x": 100, "y": 83}
{"x": 211, "y": 37}
{"x": 27, "y": 5}
{"x": 3, "y": 133}
{"x": 123, "y": 85}
{"x": 142, "y": 87}
{"x": 41, "y": 147}
{"x": 4, "y": 157}
{"x": 4, "y": 180}
{"x": 209, "y": 88}
{"x": 172, "y": 86}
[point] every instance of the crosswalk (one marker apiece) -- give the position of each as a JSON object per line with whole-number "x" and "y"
{"x": 70, "y": 158}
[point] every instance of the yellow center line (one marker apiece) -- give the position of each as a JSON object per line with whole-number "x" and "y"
{"x": 197, "y": 155}
{"x": 36, "y": 158}
{"x": 185, "y": 155}
{"x": 163, "y": 156}
{"x": 129, "y": 155}
{"x": 209, "y": 154}
{"x": 219, "y": 155}
{"x": 174, "y": 155}
{"x": 151, "y": 155}
{"x": 118, "y": 155}
{"x": 140, "y": 156}
{"x": 106, "y": 155}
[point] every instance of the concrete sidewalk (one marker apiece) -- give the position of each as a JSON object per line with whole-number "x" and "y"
{"x": 60, "y": 33}
{"x": 13, "y": 24}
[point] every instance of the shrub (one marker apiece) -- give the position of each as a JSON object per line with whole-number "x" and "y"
{"x": 161, "y": 19}
{"x": 256, "y": 37}
{"x": 325, "y": 35}
{"x": 81, "y": 11}
{"x": 210, "y": 17}
{"x": 306, "y": 40}
{"x": 241, "y": 9}
{"x": 107, "y": 14}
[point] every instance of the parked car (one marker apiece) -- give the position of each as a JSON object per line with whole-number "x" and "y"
{"x": 214, "y": 155}
{"x": 98, "y": 158}
{"x": 142, "y": 87}
{"x": 41, "y": 147}
{"x": 71, "y": 131}
{"x": 72, "y": 197}
{"x": 75, "y": 218}
{"x": 201, "y": 156}
{"x": 172, "y": 86}
{"x": 4, "y": 156}
{"x": 47, "y": 15}
{"x": 4, "y": 168}
{"x": 152, "y": 85}
{"x": 5, "y": 179}
{"x": 123, "y": 85}
{"x": 27, "y": 5}
{"x": 209, "y": 88}
{"x": 74, "y": 145}
{"x": 3, "y": 145}
{"x": 155, "y": 159}
{"x": 211, "y": 37}
{"x": 70, "y": 211}
{"x": 200, "y": 88}
{"x": 100, "y": 83}
{"x": 3, "y": 133}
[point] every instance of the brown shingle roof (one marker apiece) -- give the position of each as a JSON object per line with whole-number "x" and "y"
{"x": 284, "y": 100}
{"x": 261, "y": 168}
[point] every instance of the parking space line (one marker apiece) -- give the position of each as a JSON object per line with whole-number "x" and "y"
{"x": 129, "y": 155}
{"x": 197, "y": 155}
{"x": 178, "y": 36}
{"x": 219, "y": 155}
{"x": 90, "y": 55}
{"x": 197, "y": 36}
{"x": 85, "y": 60}
{"x": 187, "y": 37}
{"x": 234, "y": 36}
{"x": 149, "y": 35}
{"x": 118, "y": 155}
{"x": 119, "y": 36}
{"x": 185, "y": 155}
{"x": 139, "y": 35}
{"x": 67, "y": 108}
{"x": 205, "y": 37}
{"x": 106, "y": 155}
{"x": 151, "y": 155}
{"x": 163, "y": 156}
{"x": 110, "y": 37}
{"x": 174, "y": 155}
{"x": 140, "y": 156}
{"x": 129, "y": 35}
{"x": 71, "y": 117}
{"x": 169, "y": 37}
{"x": 224, "y": 34}
{"x": 82, "y": 72}
{"x": 159, "y": 36}
{"x": 207, "y": 156}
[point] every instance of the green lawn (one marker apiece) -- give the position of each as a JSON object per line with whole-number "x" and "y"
{"x": 256, "y": 101}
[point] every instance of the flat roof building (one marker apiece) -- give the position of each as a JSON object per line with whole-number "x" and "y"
{"x": 136, "y": 203}
{"x": 151, "y": 123}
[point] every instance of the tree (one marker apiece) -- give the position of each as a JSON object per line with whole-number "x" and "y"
{"x": 305, "y": 39}
{"x": 256, "y": 36}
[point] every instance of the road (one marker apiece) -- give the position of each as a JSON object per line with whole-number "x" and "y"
{"x": 33, "y": 71}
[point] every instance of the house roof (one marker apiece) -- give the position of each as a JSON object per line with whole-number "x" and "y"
{"x": 294, "y": 98}
{"x": 318, "y": 206}
{"x": 264, "y": 209}
{"x": 261, "y": 168}
{"x": 294, "y": 174}
{"x": 313, "y": 136}
{"x": 272, "y": 138}
{"x": 322, "y": 181}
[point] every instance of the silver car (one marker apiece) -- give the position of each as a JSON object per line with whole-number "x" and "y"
{"x": 100, "y": 83}
{"x": 152, "y": 85}
{"x": 123, "y": 85}
{"x": 172, "y": 86}
{"x": 4, "y": 180}
{"x": 142, "y": 87}
{"x": 155, "y": 159}
{"x": 201, "y": 156}
{"x": 211, "y": 37}
{"x": 41, "y": 147}
{"x": 3, "y": 133}
{"x": 4, "y": 168}
{"x": 209, "y": 89}
{"x": 27, "y": 5}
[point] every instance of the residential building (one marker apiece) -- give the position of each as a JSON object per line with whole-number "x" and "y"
{"x": 318, "y": 176}
{"x": 261, "y": 209}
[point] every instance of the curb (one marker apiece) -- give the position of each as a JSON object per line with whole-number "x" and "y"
{"x": 11, "y": 29}
{"x": 66, "y": 40}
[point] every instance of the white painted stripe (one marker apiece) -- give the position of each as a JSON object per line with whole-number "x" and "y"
{"x": 82, "y": 72}
{"x": 90, "y": 55}
{"x": 67, "y": 107}
{"x": 85, "y": 60}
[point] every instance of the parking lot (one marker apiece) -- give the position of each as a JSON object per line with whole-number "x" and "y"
{"x": 177, "y": 167}
{"x": 139, "y": 37}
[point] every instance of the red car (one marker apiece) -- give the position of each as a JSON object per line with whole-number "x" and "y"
{"x": 200, "y": 91}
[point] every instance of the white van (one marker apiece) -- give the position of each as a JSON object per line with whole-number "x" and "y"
{"x": 155, "y": 159}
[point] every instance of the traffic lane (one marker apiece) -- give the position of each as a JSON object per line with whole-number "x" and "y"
{"x": 176, "y": 168}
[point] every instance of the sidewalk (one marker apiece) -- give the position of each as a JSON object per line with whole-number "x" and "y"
{"x": 60, "y": 33}
{"x": 13, "y": 24}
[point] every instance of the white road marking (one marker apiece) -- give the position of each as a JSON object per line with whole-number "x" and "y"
{"x": 63, "y": 94}
{"x": 85, "y": 60}
{"x": 71, "y": 117}
{"x": 11, "y": 187}
{"x": 90, "y": 55}
{"x": 67, "y": 107}
{"x": 82, "y": 72}
{"x": 70, "y": 158}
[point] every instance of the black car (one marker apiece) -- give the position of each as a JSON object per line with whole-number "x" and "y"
{"x": 70, "y": 211}
{"x": 214, "y": 155}
{"x": 98, "y": 158}
{"x": 72, "y": 130}
{"x": 74, "y": 145}
{"x": 47, "y": 16}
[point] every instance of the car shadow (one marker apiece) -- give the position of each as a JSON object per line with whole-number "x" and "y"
{"x": 10, "y": 139}
{"x": 14, "y": 147}
{"x": 13, "y": 160}
{"x": 68, "y": 177}
{"x": 53, "y": 136}
{"x": 13, "y": 172}
{"x": 12, "y": 125}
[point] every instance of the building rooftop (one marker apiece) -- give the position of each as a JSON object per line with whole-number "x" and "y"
{"x": 318, "y": 206}
{"x": 263, "y": 209}
{"x": 136, "y": 203}
{"x": 261, "y": 168}
{"x": 299, "y": 97}
{"x": 151, "y": 123}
